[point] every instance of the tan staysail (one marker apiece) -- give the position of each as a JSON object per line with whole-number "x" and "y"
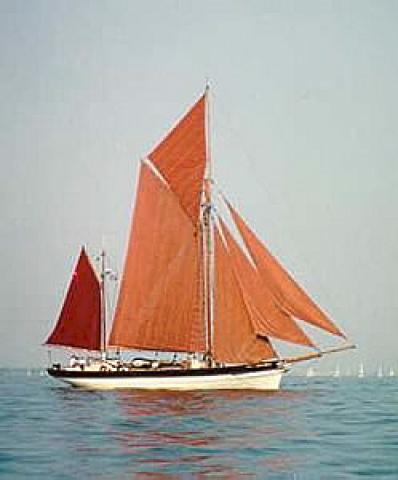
{"x": 268, "y": 317}
{"x": 235, "y": 339}
{"x": 289, "y": 295}
{"x": 159, "y": 305}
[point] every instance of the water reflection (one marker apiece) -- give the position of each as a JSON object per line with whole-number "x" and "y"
{"x": 313, "y": 429}
{"x": 165, "y": 434}
{"x": 207, "y": 432}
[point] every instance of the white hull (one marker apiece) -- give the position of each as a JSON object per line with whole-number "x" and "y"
{"x": 259, "y": 380}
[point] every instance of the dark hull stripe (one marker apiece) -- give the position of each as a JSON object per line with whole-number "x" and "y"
{"x": 234, "y": 370}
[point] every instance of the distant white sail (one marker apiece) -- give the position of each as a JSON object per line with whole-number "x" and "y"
{"x": 310, "y": 372}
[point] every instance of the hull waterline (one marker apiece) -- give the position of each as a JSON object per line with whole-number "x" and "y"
{"x": 216, "y": 379}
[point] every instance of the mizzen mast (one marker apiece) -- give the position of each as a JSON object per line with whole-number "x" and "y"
{"x": 103, "y": 305}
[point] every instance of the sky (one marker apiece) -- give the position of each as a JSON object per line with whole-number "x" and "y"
{"x": 304, "y": 115}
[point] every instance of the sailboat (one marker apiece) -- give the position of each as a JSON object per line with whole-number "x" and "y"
{"x": 361, "y": 372}
{"x": 310, "y": 372}
{"x": 336, "y": 372}
{"x": 190, "y": 288}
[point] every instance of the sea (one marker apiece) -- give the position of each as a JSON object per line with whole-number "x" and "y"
{"x": 314, "y": 428}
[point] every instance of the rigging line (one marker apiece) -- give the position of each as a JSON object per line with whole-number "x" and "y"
{"x": 234, "y": 134}
{"x": 110, "y": 293}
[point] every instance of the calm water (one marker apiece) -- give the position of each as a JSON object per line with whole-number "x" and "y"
{"x": 316, "y": 428}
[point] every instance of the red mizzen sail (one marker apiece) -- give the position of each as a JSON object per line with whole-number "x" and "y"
{"x": 159, "y": 305}
{"x": 289, "y": 295}
{"x": 79, "y": 323}
{"x": 181, "y": 158}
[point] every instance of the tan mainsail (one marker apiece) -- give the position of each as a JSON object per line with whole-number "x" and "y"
{"x": 235, "y": 339}
{"x": 159, "y": 305}
{"x": 181, "y": 158}
{"x": 289, "y": 295}
{"x": 268, "y": 317}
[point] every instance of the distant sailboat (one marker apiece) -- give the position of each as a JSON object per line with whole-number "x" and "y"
{"x": 188, "y": 287}
{"x": 380, "y": 371}
{"x": 310, "y": 372}
{"x": 361, "y": 372}
{"x": 391, "y": 372}
{"x": 336, "y": 373}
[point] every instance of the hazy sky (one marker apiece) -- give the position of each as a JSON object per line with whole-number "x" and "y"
{"x": 304, "y": 116}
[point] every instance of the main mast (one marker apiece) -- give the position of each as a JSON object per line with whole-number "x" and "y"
{"x": 207, "y": 239}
